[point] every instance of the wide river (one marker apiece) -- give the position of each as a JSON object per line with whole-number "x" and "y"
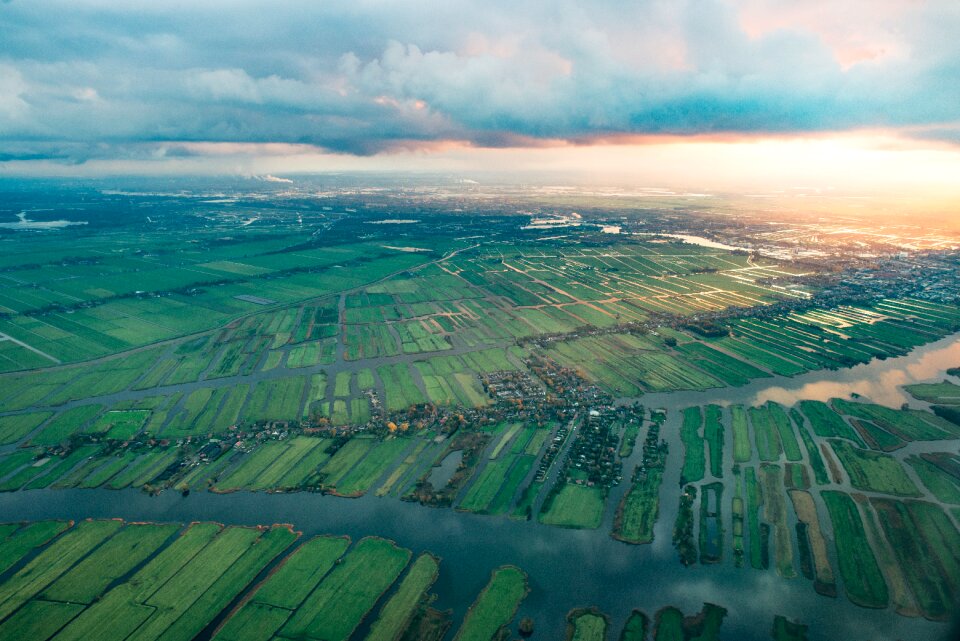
{"x": 568, "y": 568}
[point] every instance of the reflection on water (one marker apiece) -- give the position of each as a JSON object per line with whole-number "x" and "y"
{"x": 880, "y": 381}
{"x": 567, "y": 568}
{"x": 23, "y": 223}
{"x": 697, "y": 240}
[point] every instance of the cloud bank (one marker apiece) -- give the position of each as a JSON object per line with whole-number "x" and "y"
{"x": 94, "y": 79}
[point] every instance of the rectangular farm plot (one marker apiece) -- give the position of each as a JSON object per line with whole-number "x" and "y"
{"x": 270, "y": 466}
{"x": 181, "y": 589}
{"x": 372, "y": 466}
{"x": 345, "y": 458}
{"x": 574, "y": 506}
{"x": 863, "y": 581}
{"x": 342, "y": 600}
{"x": 940, "y": 473}
{"x": 496, "y": 606}
{"x": 14, "y": 356}
{"x": 53, "y": 562}
{"x": 493, "y": 489}
{"x": 272, "y": 604}
{"x": 693, "y": 448}
{"x": 276, "y": 400}
{"x": 205, "y": 411}
{"x": 874, "y": 471}
{"x": 16, "y": 426}
{"x": 924, "y": 542}
{"x": 627, "y": 365}
{"x": 401, "y": 390}
{"x": 184, "y": 597}
{"x": 448, "y": 380}
{"x": 313, "y": 353}
{"x": 827, "y": 423}
{"x": 120, "y": 424}
{"x": 66, "y": 423}
{"x": 369, "y": 341}
{"x": 39, "y": 620}
{"x": 397, "y": 613}
{"x": 121, "y": 553}
{"x": 17, "y": 540}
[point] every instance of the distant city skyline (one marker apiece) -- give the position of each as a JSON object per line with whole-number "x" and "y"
{"x": 858, "y": 95}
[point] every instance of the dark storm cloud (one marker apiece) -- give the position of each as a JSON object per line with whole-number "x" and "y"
{"x": 91, "y": 78}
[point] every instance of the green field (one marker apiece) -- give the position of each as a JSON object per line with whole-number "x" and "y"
{"x": 371, "y": 467}
{"x": 16, "y": 426}
{"x": 400, "y": 609}
{"x": 16, "y": 540}
{"x": 276, "y": 599}
{"x": 121, "y": 553}
{"x": 515, "y": 468}
{"x": 742, "y": 450}
{"x": 671, "y": 625}
{"x": 755, "y": 537}
{"x": 813, "y": 454}
{"x": 639, "y": 510}
{"x": 586, "y": 626}
{"x": 69, "y": 422}
{"x": 862, "y": 578}
{"x": 775, "y": 513}
{"x": 337, "y": 606}
{"x": 693, "y": 450}
{"x": 936, "y": 472}
{"x": 52, "y": 563}
{"x": 766, "y": 433}
{"x": 574, "y": 506}
{"x": 636, "y": 627}
{"x": 713, "y": 434}
{"x": 401, "y": 391}
{"x": 874, "y": 471}
{"x": 826, "y": 422}
{"x": 345, "y": 458}
{"x": 925, "y": 544}
{"x": 173, "y": 584}
{"x": 495, "y": 606}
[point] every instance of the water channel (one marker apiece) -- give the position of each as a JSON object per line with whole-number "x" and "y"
{"x": 568, "y": 568}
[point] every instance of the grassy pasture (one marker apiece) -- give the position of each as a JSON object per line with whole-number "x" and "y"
{"x": 862, "y": 578}
{"x": 693, "y": 450}
{"x": 924, "y": 542}
{"x": 742, "y": 450}
{"x": 16, "y": 426}
{"x": 372, "y": 466}
{"x": 574, "y": 506}
{"x": 53, "y": 562}
{"x": 337, "y": 606}
{"x": 66, "y": 423}
{"x": 873, "y": 471}
{"x": 17, "y": 540}
{"x": 586, "y": 626}
{"x": 397, "y": 613}
{"x": 495, "y": 606}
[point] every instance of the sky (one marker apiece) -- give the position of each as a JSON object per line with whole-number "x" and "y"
{"x": 864, "y": 94}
